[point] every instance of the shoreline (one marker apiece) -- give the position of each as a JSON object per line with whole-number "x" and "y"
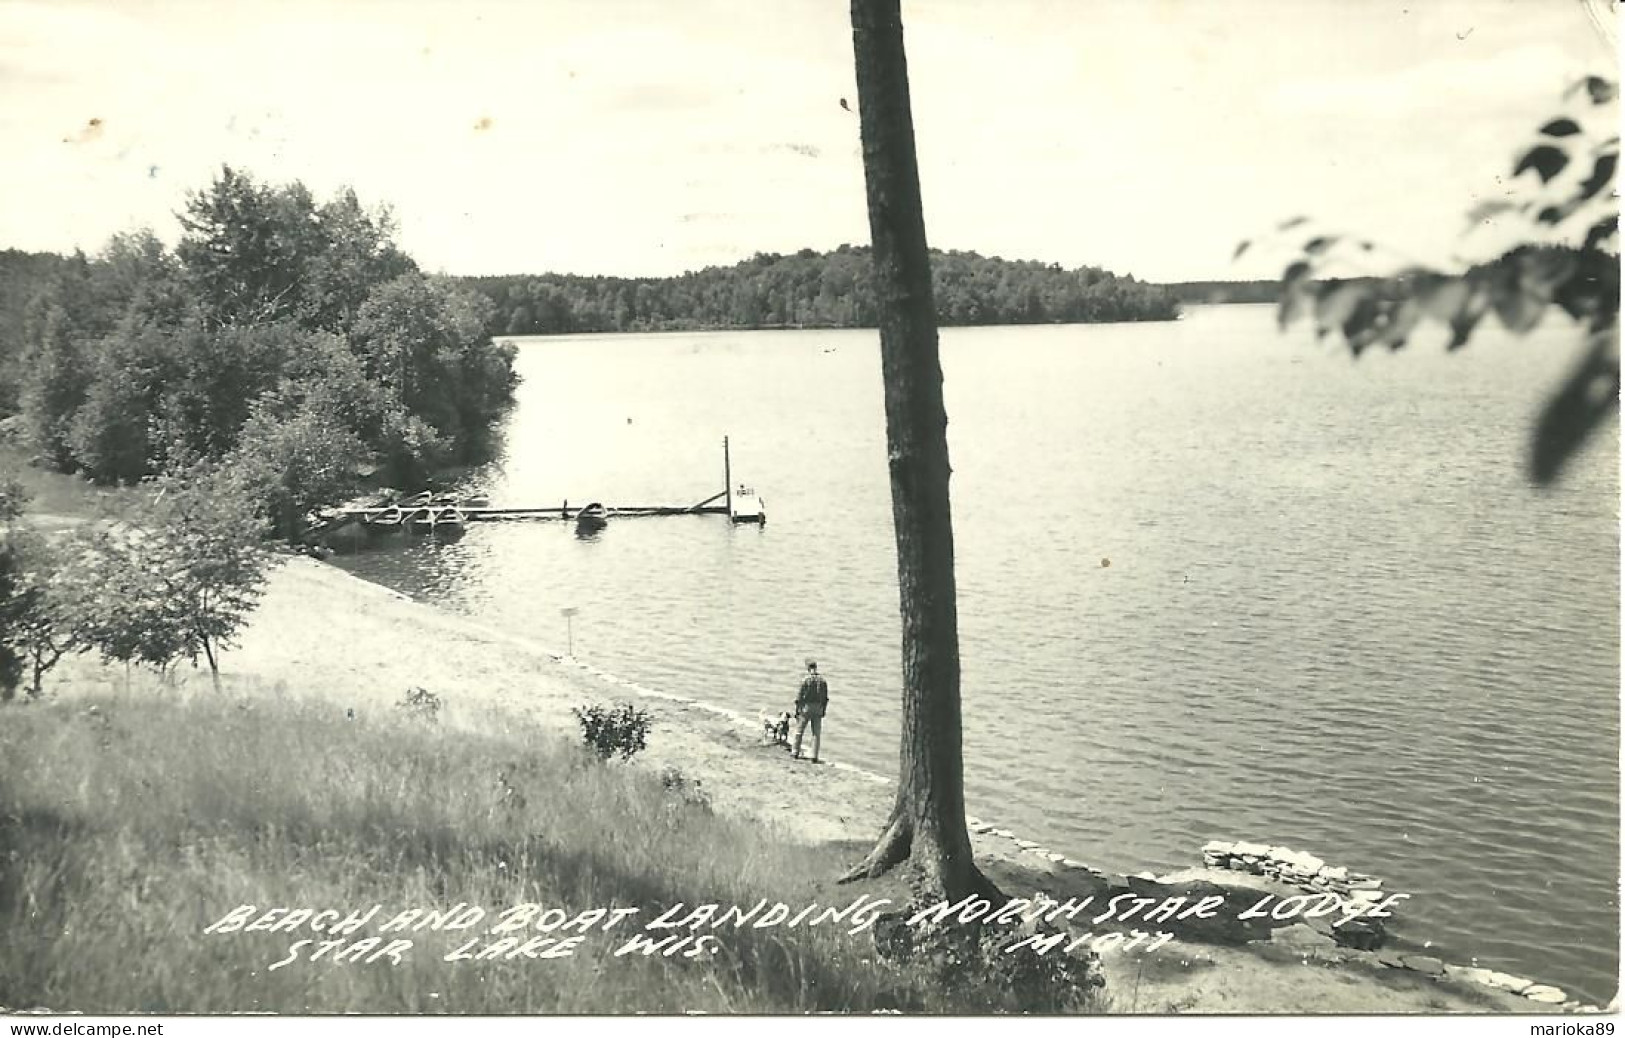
{"x": 327, "y": 635}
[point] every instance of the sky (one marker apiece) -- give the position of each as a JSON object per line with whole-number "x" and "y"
{"x": 649, "y": 137}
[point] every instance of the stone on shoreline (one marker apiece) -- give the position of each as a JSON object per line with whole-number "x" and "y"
{"x": 1507, "y": 982}
{"x": 1544, "y": 993}
{"x": 1027, "y": 845}
{"x": 1218, "y": 847}
{"x": 1302, "y": 935}
{"x": 1490, "y": 978}
{"x": 1363, "y": 934}
{"x": 1423, "y": 964}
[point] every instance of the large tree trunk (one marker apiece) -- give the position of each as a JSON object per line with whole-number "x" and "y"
{"x": 927, "y": 824}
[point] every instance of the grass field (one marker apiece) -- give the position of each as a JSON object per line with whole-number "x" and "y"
{"x": 54, "y": 494}
{"x": 128, "y": 829}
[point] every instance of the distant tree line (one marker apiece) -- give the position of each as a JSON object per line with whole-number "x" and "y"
{"x": 817, "y": 290}
{"x": 290, "y": 337}
{"x": 1199, "y": 292}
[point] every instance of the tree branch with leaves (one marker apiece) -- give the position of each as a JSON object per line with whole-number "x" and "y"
{"x": 1566, "y": 212}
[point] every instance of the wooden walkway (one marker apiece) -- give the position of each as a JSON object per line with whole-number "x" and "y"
{"x": 414, "y": 508}
{"x": 554, "y": 514}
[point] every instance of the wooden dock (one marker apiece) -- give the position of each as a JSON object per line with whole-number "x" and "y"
{"x": 557, "y": 513}
{"x": 563, "y": 512}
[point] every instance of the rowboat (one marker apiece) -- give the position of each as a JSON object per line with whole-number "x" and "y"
{"x": 421, "y": 520}
{"x": 592, "y": 517}
{"x": 449, "y": 523}
{"x": 387, "y": 521}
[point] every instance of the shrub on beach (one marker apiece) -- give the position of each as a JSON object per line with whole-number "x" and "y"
{"x": 420, "y": 704}
{"x": 621, "y": 730}
{"x": 684, "y": 790}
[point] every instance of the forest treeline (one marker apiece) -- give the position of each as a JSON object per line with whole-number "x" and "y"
{"x": 1201, "y": 292}
{"x": 290, "y": 337}
{"x": 294, "y": 338}
{"x": 811, "y": 289}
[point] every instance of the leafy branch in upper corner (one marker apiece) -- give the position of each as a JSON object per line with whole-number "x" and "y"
{"x": 1567, "y": 256}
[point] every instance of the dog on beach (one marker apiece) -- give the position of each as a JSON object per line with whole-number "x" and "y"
{"x": 777, "y": 728}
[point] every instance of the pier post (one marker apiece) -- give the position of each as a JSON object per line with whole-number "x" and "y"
{"x": 728, "y": 477}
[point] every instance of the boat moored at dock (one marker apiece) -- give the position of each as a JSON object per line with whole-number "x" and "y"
{"x": 746, "y": 506}
{"x": 449, "y": 523}
{"x": 592, "y": 517}
{"x": 421, "y": 520}
{"x": 387, "y": 521}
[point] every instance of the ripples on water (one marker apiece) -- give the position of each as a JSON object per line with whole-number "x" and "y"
{"x": 1335, "y": 616}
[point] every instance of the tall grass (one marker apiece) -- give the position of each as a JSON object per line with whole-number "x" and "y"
{"x": 52, "y": 493}
{"x": 130, "y": 823}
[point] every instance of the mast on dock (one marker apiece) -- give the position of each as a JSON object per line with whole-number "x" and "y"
{"x": 728, "y": 477}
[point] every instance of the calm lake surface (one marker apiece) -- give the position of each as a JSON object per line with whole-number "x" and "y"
{"x": 1335, "y": 616}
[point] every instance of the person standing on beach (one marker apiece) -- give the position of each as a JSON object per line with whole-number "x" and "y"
{"x": 811, "y": 702}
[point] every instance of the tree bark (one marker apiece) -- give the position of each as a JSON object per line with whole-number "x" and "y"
{"x": 214, "y": 664}
{"x": 927, "y": 825}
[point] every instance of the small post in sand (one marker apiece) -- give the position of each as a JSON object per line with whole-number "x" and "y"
{"x": 569, "y": 630}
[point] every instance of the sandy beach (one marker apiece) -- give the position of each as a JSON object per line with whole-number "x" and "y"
{"x": 321, "y": 631}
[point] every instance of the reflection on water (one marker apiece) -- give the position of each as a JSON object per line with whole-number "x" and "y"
{"x": 1334, "y": 617}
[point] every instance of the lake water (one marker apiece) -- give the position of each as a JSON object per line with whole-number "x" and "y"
{"x": 1335, "y": 615}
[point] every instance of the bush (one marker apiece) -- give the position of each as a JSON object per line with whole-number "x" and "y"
{"x": 608, "y": 731}
{"x": 36, "y": 624}
{"x": 19, "y": 597}
{"x": 978, "y": 955}
{"x": 683, "y": 790}
{"x": 13, "y": 498}
{"x": 421, "y": 704}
